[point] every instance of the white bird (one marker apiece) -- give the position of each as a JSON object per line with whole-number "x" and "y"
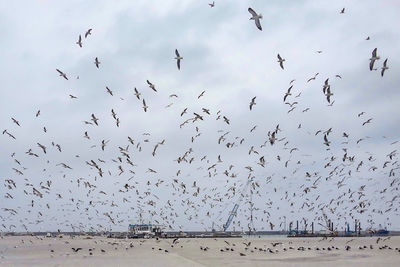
{"x": 256, "y": 17}
{"x": 178, "y": 59}
{"x": 137, "y": 94}
{"x": 372, "y": 59}
{"x": 145, "y": 107}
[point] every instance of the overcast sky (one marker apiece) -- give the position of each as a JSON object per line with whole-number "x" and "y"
{"x": 225, "y": 55}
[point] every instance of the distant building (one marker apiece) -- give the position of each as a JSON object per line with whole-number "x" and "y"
{"x": 144, "y": 230}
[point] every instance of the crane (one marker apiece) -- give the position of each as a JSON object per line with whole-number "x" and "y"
{"x": 236, "y": 206}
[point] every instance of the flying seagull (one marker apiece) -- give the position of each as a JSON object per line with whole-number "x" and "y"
{"x": 97, "y": 62}
{"x": 256, "y": 17}
{"x": 372, "y": 59}
{"x": 281, "y": 60}
{"x": 62, "y": 74}
{"x": 137, "y": 94}
{"x": 109, "y": 91}
{"x": 253, "y": 102}
{"x": 145, "y": 107}
{"x": 88, "y": 32}
{"x": 384, "y": 67}
{"x": 212, "y": 4}
{"x": 178, "y": 59}
{"x": 151, "y": 86}
{"x": 342, "y": 11}
{"x": 79, "y": 41}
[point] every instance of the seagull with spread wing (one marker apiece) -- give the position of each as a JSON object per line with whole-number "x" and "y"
{"x": 178, "y": 59}
{"x": 256, "y": 17}
{"x": 373, "y": 59}
{"x": 281, "y": 60}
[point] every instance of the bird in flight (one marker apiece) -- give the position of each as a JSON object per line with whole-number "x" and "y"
{"x": 79, "y": 41}
{"x": 202, "y": 94}
{"x": 97, "y": 62}
{"x": 212, "y": 4}
{"x": 145, "y": 107}
{"x": 385, "y": 67}
{"x": 287, "y": 93}
{"x": 372, "y": 59}
{"x": 62, "y": 74}
{"x": 137, "y": 94}
{"x": 178, "y": 59}
{"x": 151, "y": 86}
{"x": 281, "y": 60}
{"x": 109, "y": 91}
{"x": 88, "y": 32}
{"x": 256, "y": 17}
{"x": 342, "y": 11}
{"x": 253, "y": 102}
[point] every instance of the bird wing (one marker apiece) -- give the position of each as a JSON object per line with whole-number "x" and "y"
{"x": 374, "y": 52}
{"x": 252, "y": 12}
{"x": 371, "y": 64}
{"x": 177, "y": 53}
{"x": 178, "y": 63}
{"x": 281, "y": 64}
{"x": 258, "y": 24}
{"x": 279, "y": 57}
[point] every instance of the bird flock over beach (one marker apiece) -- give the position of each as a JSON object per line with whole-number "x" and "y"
{"x": 111, "y": 171}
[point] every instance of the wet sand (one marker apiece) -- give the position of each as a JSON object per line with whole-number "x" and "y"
{"x": 35, "y": 251}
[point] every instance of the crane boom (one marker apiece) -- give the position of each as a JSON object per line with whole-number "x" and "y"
{"x": 236, "y": 206}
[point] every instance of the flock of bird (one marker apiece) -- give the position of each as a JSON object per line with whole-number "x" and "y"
{"x": 83, "y": 202}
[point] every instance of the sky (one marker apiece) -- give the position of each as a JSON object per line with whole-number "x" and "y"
{"x": 201, "y": 166}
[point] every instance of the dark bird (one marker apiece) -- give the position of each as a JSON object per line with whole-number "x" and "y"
{"x": 79, "y": 41}
{"x": 88, "y": 32}
{"x": 97, "y": 62}
{"x": 109, "y": 91}
{"x": 62, "y": 74}
{"x": 253, "y": 102}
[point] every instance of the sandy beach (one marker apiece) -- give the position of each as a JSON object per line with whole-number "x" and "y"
{"x": 97, "y": 251}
